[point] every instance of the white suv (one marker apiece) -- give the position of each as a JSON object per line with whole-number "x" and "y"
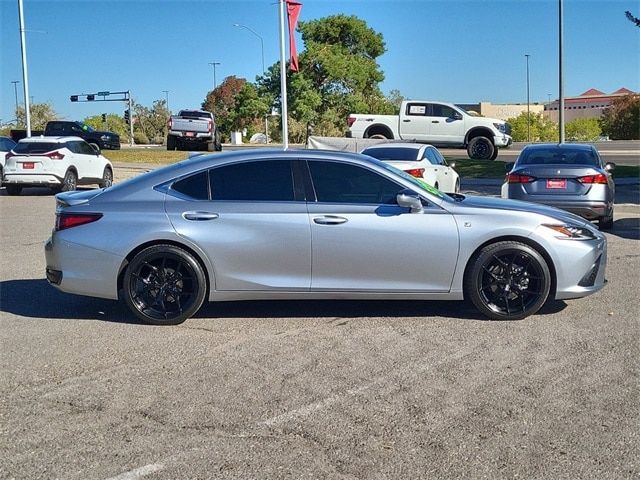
{"x": 61, "y": 163}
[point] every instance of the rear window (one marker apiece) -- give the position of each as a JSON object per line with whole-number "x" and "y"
{"x": 410, "y": 154}
{"x": 558, "y": 156}
{"x": 193, "y": 114}
{"x": 36, "y": 147}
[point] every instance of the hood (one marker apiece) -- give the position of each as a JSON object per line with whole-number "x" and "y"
{"x": 493, "y": 203}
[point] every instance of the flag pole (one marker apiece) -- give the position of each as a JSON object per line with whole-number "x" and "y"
{"x": 283, "y": 82}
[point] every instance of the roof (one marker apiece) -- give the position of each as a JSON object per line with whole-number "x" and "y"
{"x": 416, "y": 146}
{"x": 623, "y": 91}
{"x": 592, "y": 92}
{"x": 561, "y": 146}
{"x": 43, "y": 139}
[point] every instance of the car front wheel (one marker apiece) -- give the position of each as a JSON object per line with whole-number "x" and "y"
{"x": 480, "y": 148}
{"x": 507, "y": 281}
{"x": 164, "y": 285}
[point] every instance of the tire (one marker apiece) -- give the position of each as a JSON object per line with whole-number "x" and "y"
{"x": 107, "y": 178}
{"x": 606, "y": 223}
{"x": 507, "y": 281}
{"x": 495, "y": 153}
{"x": 171, "y": 142}
{"x": 164, "y": 285}
{"x": 13, "y": 189}
{"x": 211, "y": 146}
{"x": 218, "y": 142}
{"x": 69, "y": 182}
{"x": 480, "y": 148}
{"x": 379, "y": 136}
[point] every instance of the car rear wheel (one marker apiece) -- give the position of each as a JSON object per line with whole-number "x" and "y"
{"x": 13, "y": 189}
{"x": 457, "y": 187}
{"x": 164, "y": 285}
{"x": 606, "y": 223}
{"x": 507, "y": 281}
{"x": 480, "y": 148}
{"x": 107, "y": 178}
{"x": 69, "y": 182}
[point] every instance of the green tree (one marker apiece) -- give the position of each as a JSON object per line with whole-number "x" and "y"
{"x": 540, "y": 128}
{"x": 114, "y": 123}
{"x": 41, "y": 113}
{"x": 150, "y": 124}
{"x": 621, "y": 121}
{"x": 583, "y": 130}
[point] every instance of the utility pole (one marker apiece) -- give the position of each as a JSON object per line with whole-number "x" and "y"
{"x": 166, "y": 96}
{"x": 528, "y": 110}
{"x": 213, "y": 64}
{"x": 283, "y": 81}
{"x": 15, "y": 89}
{"x": 25, "y": 75}
{"x": 560, "y": 72}
{"x": 130, "y": 119}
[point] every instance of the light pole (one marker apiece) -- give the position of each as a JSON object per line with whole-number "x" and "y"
{"x": 25, "y": 75}
{"x": 166, "y": 96}
{"x": 528, "y": 112}
{"x": 560, "y": 71}
{"x": 15, "y": 89}
{"x": 266, "y": 120}
{"x": 213, "y": 64}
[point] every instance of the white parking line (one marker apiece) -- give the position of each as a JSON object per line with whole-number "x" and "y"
{"x": 139, "y": 472}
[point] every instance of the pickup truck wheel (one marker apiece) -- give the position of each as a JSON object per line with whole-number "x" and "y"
{"x": 218, "y": 142}
{"x": 480, "y": 148}
{"x": 379, "y": 136}
{"x": 495, "y": 153}
{"x": 211, "y": 146}
{"x": 171, "y": 142}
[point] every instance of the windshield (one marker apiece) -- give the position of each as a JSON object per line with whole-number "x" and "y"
{"x": 393, "y": 153}
{"x": 86, "y": 128}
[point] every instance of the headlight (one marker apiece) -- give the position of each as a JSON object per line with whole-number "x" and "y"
{"x": 500, "y": 127}
{"x": 104, "y": 138}
{"x": 571, "y": 232}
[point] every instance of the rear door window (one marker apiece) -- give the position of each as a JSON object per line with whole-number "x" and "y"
{"x": 262, "y": 181}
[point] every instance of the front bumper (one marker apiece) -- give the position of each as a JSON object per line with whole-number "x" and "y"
{"x": 502, "y": 140}
{"x": 111, "y": 145}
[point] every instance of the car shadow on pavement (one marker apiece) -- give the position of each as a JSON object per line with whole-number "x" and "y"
{"x": 626, "y": 228}
{"x": 35, "y": 298}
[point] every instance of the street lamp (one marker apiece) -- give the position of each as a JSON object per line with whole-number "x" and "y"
{"x": 213, "y": 64}
{"x": 528, "y": 112}
{"x": 266, "y": 118}
{"x": 166, "y": 96}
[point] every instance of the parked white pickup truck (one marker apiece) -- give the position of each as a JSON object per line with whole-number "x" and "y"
{"x": 438, "y": 123}
{"x": 193, "y": 130}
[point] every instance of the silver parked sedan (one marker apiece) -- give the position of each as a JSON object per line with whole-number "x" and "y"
{"x": 272, "y": 224}
{"x": 568, "y": 176}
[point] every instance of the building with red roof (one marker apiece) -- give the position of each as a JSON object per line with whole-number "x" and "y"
{"x": 590, "y": 104}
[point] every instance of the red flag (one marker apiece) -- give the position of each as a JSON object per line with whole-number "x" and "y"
{"x": 293, "y": 11}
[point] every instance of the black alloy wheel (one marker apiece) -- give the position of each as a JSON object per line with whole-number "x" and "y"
{"x": 480, "y": 148}
{"x": 508, "y": 281}
{"x": 164, "y": 285}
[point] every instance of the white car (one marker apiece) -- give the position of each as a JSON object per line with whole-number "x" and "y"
{"x": 419, "y": 160}
{"x": 60, "y": 163}
{"x": 6, "y": 144}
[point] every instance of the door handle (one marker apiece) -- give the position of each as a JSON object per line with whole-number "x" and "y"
{"x": 435, "y": 121}
{"x": 200, "y": 216}
{"x": 406, "y": 120}
{"x": 329, "y": 220}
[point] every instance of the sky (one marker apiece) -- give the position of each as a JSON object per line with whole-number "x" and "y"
{"x": 454, "y": 50}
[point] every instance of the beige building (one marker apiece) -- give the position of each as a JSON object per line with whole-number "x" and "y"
{"x": 588, "y": 105}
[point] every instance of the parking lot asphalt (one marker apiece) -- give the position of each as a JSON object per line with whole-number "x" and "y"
{"x": 335, "y": 389}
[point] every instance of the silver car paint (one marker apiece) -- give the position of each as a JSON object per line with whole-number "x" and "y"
{"x": 353, "y": 264}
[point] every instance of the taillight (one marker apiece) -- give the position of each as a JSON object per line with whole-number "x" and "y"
{"x": 590, "y": 179}
{"x": 70, "y": 220}
{"x": 9, "y": 155}
{"x": 54, "y": 155}
{"x": 169, "y": 123}
{"x": 517, "y": 178}
{"x": 351, "y": 120}
{"x": 416, "y": 172}
{"x": 210, "y": 125}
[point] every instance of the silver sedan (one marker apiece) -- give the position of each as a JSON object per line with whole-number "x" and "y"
{"x": 273, "y": 224}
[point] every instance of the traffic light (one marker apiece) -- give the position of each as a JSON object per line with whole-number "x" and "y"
{"x": 74, "y": 98}
{"x": 104, "y": 117}
{"x": 91, "y": 98}
{"x": 126, "y": 115}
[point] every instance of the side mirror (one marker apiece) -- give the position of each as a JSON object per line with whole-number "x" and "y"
{"x": 508, "y": 166}
{"x": 452, "y": 164}
{"x": 96, "y": 149}
{"x": 457, "y": 116}
{"x": 409, "y": 199}
{"x": 610, "y": 167}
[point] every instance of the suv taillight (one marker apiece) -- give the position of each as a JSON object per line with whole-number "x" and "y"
{"x": 517, "y": 178}
{"x": 416, "y": 172}
{"x": 350, "y": 121}
{"x": 9, "y": 155}
{"x": 590, "y": 179}
{"x": 56, "y": 155}
{"x": 70, "y": 220}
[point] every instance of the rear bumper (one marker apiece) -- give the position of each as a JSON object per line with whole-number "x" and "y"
{"x": 591, "y": 210}
{"x": 35, "y": 179}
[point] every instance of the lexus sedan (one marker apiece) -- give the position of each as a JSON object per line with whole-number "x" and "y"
{"x": 273, "y": 224}
{"x": 568, "y": 176}
{"x": 420, "y": 160}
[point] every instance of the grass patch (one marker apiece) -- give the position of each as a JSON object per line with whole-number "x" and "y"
{"x": 139, "y": 155}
